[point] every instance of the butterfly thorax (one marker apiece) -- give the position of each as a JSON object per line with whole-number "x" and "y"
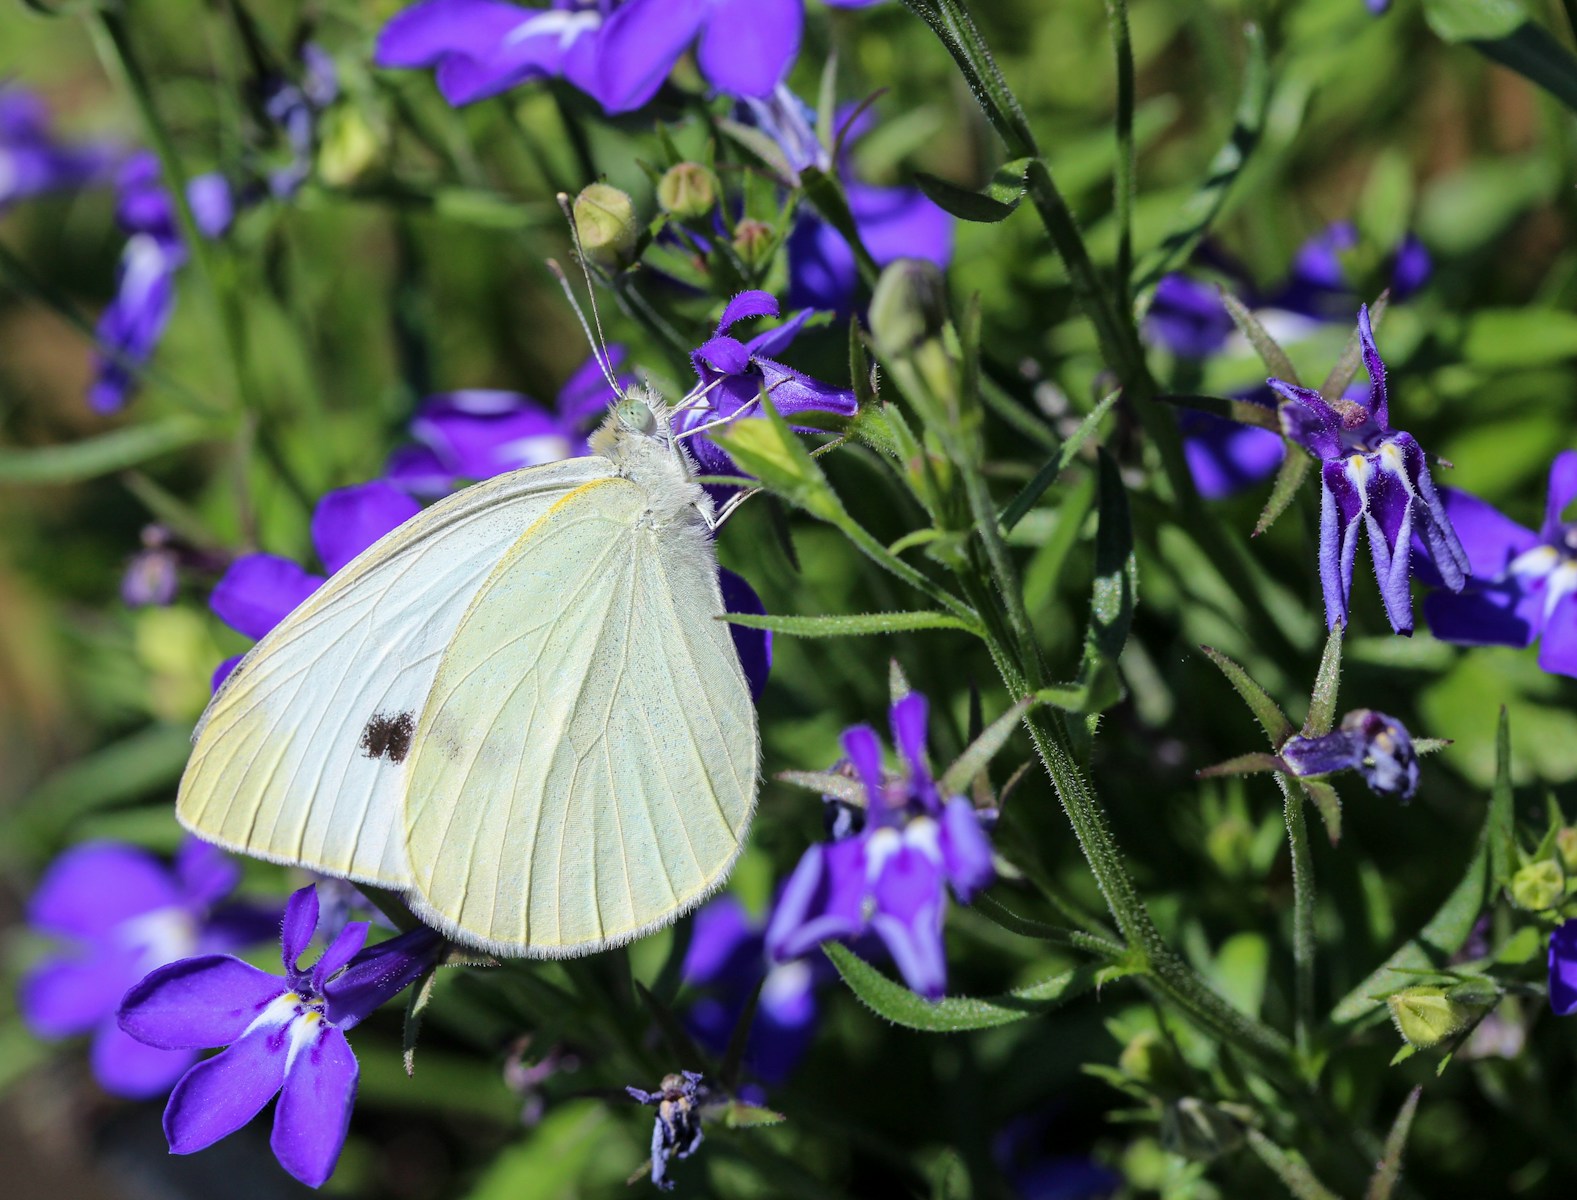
{"x": 637, "y": 440}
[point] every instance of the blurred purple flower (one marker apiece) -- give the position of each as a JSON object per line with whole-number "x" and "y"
{"x": 32, "y": 162}
{"x": 1563, "y": 968}
{"x": 733, "y": 375}
{"x": 1225, "y": 457}
{"x": 889, "y": 870}
{"x": 1187, "y": 317}
{"x": 1318, "y": 284}
{"x": 121, "y": 913}
{"x": 466, "y": 436}
{"x": 294, "y": 107}
{"x": 1375, "y": 478}
{"x": 258, "y": 591}
{"x": 1377, "y": 7}
{"x": 676, "y": 1133}
{"x": 284, "y": 1036}
{"x": 1524, "y": 584}
{"x": 1375, "y": 745}
{"x": 725, "y": 963}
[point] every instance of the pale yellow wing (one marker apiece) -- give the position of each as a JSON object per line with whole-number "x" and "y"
{"x": 585, "y": 768}
{"x": 302, "y": 756}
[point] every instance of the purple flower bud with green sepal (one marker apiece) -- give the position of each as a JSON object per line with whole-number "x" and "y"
{"x": 284, "y": 1036}
{"x": 1375, "y": 745}
{"x": 1374, "y": 478}
{"x": 676, "y": 1133}
{"x": 890, "y": 873}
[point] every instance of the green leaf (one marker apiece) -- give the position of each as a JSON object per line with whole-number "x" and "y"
{"x": 1518, "y": 338}
{"x": 1472, "y": 20}
{"x": 978, "y": 754}
{"x": 1289, "y": 478}
{"x": 951, "y": 23}
{"x": 1448, "y": 929}
{"x": 1244, "y": 764}
{"x": 1346, "y": 368}
{"x": 767, "y": 448}
{"x": 1115, "y": 592}
{"x": 136, "y": 766}
{"x": 855, "y": 624}
{"x": 1267, "y": 347}
{"x": 552, "y": 1162}
{"x": 1243, "y": 412}
{"x": 1502, "y": 31}
{"x": 955, "y": 1014}
{"x": 1271, "y": 719}
{"x": 1388, "y": 1172}
{"x": 824, "y": 191}
{"x": 95, "y": 456}
{"x": 739, "y": 1115}
{"x": 1202, "y": 209}
{"x": 1290, "y": 1167}
{"x": 828, "y": 783}
{"x": 995, "y": 202}
{"x": 1322, "y": 705}
{"x": 1323, "y": 793}
{"x": 1032, "y": 491}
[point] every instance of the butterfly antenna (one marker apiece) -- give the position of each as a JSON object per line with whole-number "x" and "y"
{"x": 599, "y": 344}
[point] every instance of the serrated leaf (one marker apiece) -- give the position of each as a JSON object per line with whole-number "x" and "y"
{"x": 1430, "y": 745}
{"x": 1270, "y": 717}
{"x": 737, "y": 1114}
{"x": 1032, "y": 491}
{"x": 1289, "y": 478}
{"x": 978, "y": 754}
{"x": 995, "y": 202}
{"x": 1268, "y": 348}
{"x": 954, "y": 1014}
{"x": 1322, "y": 704}
{"x": 1327, "y": 803}
{"x": 1346, "y": 368}
{"x": 851, "y": 625}
{"x": 92, "y": 457}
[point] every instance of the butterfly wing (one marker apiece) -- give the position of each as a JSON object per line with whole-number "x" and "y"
{"x": 302, "y": 756}
{"x": 585, "y": 768}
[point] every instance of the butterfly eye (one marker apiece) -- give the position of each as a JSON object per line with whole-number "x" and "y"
{"x": 635, "y": 414}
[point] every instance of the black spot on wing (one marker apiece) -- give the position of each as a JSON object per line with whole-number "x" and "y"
{"x": 388, "y": 736}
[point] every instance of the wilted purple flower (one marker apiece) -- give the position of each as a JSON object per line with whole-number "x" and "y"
{"x": 1376, "y": 478}
{"x": 1377, "y": 746}
{"x": 121, "y": 913}
{"x": 676, "y": 1133}
{"x": 466, "y": 436}
{"x": 1563, "y": 968}
{"x": 285, "y": 1036}
{"x": 725, "y": 963}
{"x": 1524, "y": 584}
{"x": 734, "y": 374}
{"x": 32, "y": 162}
{"x": 258, "y": 591}
{"x": 889, "y": 870}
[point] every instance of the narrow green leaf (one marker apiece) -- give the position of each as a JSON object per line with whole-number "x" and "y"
{"x": 739, "y": 1115}
{"x": 763, "y": 147}
{"x": 827, "y": 103}
{"x": 74, "y": 462}
{"x": 1020, "y": 505}
{"x": 955, "y": 1014}
{"x": 1322, "y": 705}
{"x": 1346, "y": 368}
{"x": 1243, "y": 412}
{"x": 1499, "y": 828}
{"x": 828, "y": 783}
{"x": 855, "y": 624}
{"x": 1270, "y": 717}
{"x": 995, "y": 202}
{"x": 416, "y": 1002}
{"x": 1290, "y": 1167}
{"x": 1244, "y": 764}
{"x": 1388, "y": 1172}
{"x": 1268, "y": 348}
{"x": 978, "y": 754}
{"x": 951, "y": 22}
{"x": 1289, "y": 478}
{"x": 734, "y": 1056}
{"x": 823, "y": 189}
{"x": 1533, "y": 52}
{"x": 1327, "y": 802}
{"x": 1473, "y": 20}
{"x": 1115, "y": 592}
{"x": 1201, "y": 210}
{"x": 136, "y": 766}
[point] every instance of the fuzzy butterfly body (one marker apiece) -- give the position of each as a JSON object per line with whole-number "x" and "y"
{"x": 521, "y": 708}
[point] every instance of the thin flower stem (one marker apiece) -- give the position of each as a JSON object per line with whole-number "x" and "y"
{"x": 1302, "y": 914}
{"x": 873, "y": 549}
{"x": 1123, "y": 179}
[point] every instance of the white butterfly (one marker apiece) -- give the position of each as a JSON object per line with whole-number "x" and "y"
{"x": 521, "y": 708}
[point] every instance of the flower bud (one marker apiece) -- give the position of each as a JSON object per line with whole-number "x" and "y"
{"x": 349, "y": 147}
{"x": 605, "y": 221}
{"x": 687, "y": 190}
{"x": 1566, "y": 847}
{"x": 1427, "y": 1016}
{"x": 1375, "y": 745}
{"x": 1539, "y": 886}
{"x": 909, "y": 306}
{"x": 1198, "y": 1130}
{"x": 1148, "y": 1059}
{"x": 754, "y": 241}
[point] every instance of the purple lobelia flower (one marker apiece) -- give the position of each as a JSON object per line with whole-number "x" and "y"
{"x": 284, "y": 1036}
{"x": 258, "y": 591}
{"x": 1374, "y": 478}
{"x": 294, "y": 107}
{"x": 733, "y": 376}
{"x": 889, "y": 870}
{"x": 676, "y": 1133}
{"x": 465, "y": 436}
{"x": 1377, "y": 746}
{"x": 725, "y": 962}
{"x": 1524, "y": 584}
{"x": 1563, "y": 968}
{"x": 33, "y": 162}
{"x": 120, "y": 913}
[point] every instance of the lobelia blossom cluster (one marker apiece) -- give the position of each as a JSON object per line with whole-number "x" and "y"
{"x": 889, "y": 865}
{"x": 619, "y": 52}
{"x": 1372, "y": 478}
{"x": 284, "y": 1037}
{"x": 33, "y": 162}
{"x": 118, "y": 913}
{"x": 1524, "y": 583}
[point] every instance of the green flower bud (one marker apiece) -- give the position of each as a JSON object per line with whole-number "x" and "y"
{"x": 349, "y": 147}
{"x": 1566, "y": 847}
{"x": 687, "y": 190}
{"x": 605, "y": 221}
{"x": 1148, "y": 1059}
{"x": 1198, "y": 1130}
{"x": 753, "y": 241}
{"x": 909, "y": 306}
{"x": 1539, "y": 886}
{"x": 1427, "y": 1016}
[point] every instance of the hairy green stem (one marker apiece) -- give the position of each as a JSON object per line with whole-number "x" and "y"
{"x": 1123, "y": 178}
{"x": 1302, "y": 913}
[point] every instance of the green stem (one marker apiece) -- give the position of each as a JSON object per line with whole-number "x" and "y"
{"x": 873, "y": 549}
{"x": 1302, "y": 914}
{"x": 1123, "y": 180}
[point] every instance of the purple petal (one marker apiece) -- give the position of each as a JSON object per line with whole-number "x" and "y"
{"x": 1447, "y": 556}
{"x": 345, "y": 946}
{"x": 1224, "y": 457}
{"x": 198, "y": 1002}
{"x": 775, "y": 341}
{"x": 93, "y": 887}
{"x": 966, "y": 851}
{"x": 66, "y": 996}
{"x": 222, "y": 671}
{"x": 793, "y": 391}
{"x": 747, "y": 304}
{"x": 1379, "y": 406}
{"x": 639, "y": 46}
{"x": 348, "y": 521}
{"x": 722, "y": 942}
{"x": 424, "y": 34}
{"x": 909, "y": 716}
{"x": 212, "y": 204}
{"x": 223, "y": 1093}
{"x": 822, "y": 270}
{"x": 1558, "y": 646}
{"x": 1341, "y": 514}
{"x": 748, "y": 45}
{"x": 1563, "y": 490}
{"x": 1389, "y": 521}
{"x": 1563, "y": 968}
{"x": 1411, "y": 269}
{"x": 207, "y": 873}
{"x": 1499, "y": 614}
{"x": 1339, "y": 750}
{"x": 908, "y": 919}
{"x": 379, "y": 973}
{"x": 259, "y": 591}
{"x": 1187, "y": 317}
{"x": 1308, "y": 420}
{"x": 1490, "y": 538}
{"x": 315, "y": 1105}
{"x": 131, "y": 326}
{"x": 864, "y": 749}
{"x": 584, "y": 398}
{"x": 754, "y": 646}
{"x": 723, "y": 354}
{"x": 480, "y": 433}
{"x": 823, "y": 898}
{"x": 130, "y": 1069}
{"x": 298, "y": 926}
{"x": 419, "y": 471}
{"x": 899, "y": 223}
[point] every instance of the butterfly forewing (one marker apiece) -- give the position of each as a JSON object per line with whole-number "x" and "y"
{"x": 303, "y": 755}
{"x": 585, "y": 767}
